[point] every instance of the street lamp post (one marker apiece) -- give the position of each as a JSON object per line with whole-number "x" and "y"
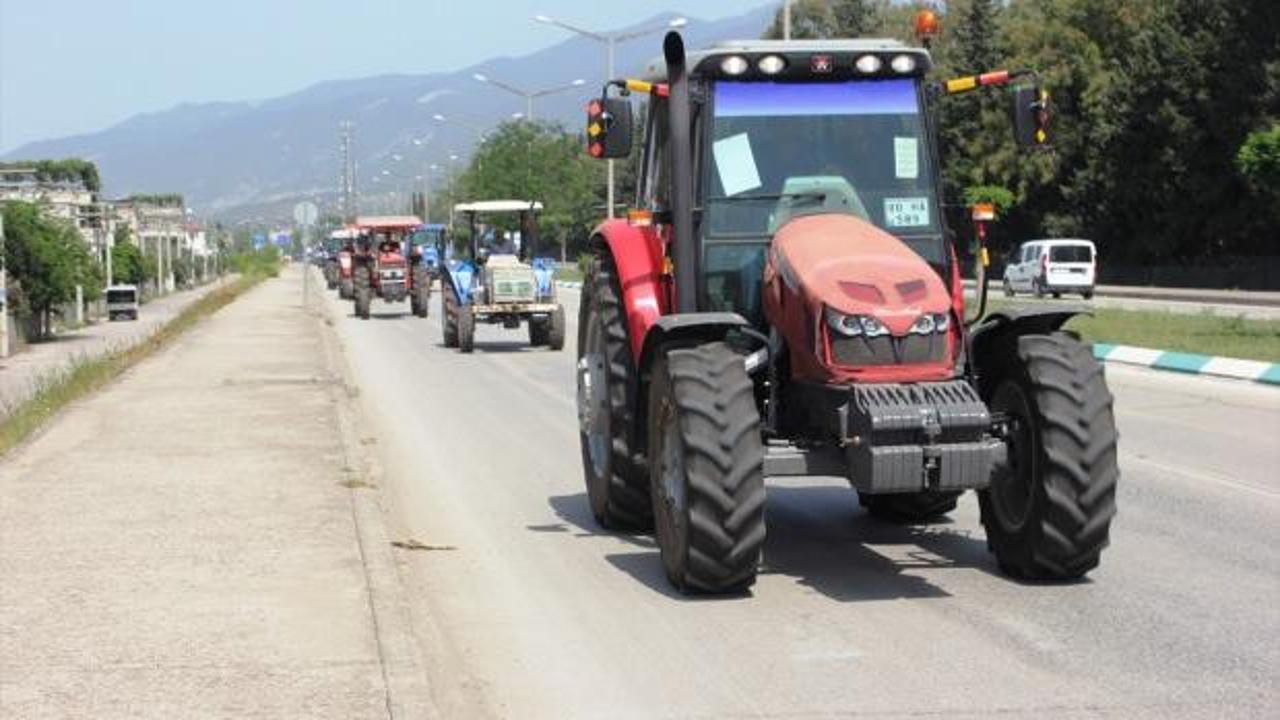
{"x": 528, "y": 95}
{"x": 610, "y": 40}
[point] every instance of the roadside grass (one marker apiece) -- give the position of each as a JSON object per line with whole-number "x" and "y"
{"x": 569, "y": 273}
{"x": 84, "y": 376}
{"x": 1204, "y": 334}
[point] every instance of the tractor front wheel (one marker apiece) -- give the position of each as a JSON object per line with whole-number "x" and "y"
{"x": 363, "y": 292}
{"x": 420, "y": 300}
{"x": 706, "y": 460}
{"x": 449, "y": 316}
{"x": 617, "y": 484}
{"x": 1049, "y": 507}
{"x": 909, "y": 507}
{"x": 466, "y": 323}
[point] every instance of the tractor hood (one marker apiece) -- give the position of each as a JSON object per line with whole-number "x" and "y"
{"x": 846, "y": 265}
{"x": 854, "y": 267}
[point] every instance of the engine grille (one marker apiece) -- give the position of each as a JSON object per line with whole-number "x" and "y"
{"x": 887, "y": 350}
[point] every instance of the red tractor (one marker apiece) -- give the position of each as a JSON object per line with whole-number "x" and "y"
{"x": 338, "y": 269}
{"x": 383, "y": 266}
{"x": 785, "y": 300}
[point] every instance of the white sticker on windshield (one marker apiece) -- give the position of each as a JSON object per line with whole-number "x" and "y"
{"x": 906, "y": 212}
{"x": 736, "y": 164}
{"x": 906, "y": 161}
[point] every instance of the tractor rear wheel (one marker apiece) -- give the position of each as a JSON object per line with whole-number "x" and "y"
{"x": 555, "y": 329}
{"x": 706, "y": 469}
{"x": 538, "y": 331}
{"x": 420, "y": 300}
{"x": 909, "y": 507}
{"x": 466, "y": 323}
{"x": 449, "y": 316}
{"x": 617, "y": 483}
{"x": 363, "y": 293}
{"x": 1049, "y": 507}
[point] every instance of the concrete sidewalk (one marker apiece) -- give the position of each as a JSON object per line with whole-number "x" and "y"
{"x": 187, "y": 543}
{"x": 21, "y": 372}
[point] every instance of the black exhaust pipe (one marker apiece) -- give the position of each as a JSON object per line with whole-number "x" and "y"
{"x": 680, "y": 160}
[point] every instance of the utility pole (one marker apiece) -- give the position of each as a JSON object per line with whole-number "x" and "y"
{"x": 348, "y": 184}
{"x": 786, "y": 19}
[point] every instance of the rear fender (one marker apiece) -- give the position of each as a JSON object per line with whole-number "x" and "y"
{"x": 637, "y": 256}
{"x": 993, "y": 343}
{"x": 668, "y": 330}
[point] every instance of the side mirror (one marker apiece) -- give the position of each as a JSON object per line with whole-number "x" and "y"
{"x": 609, "y": 128}
{"x": 1032, "y": 115}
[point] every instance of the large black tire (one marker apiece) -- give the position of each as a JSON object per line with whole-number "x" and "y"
{"x": 909, "y": 507}
{"x": 1048, "y": 510}
{"x": 420, "y": 300}
{"x": 449, "y": 316}
{"x": 706, "y": 469}
{"x": 362, "y": 291}
{"x": 538, "y": 331}
{"x": 614, "y": 469}
{"x": 466, "y": 324}
{"x": 555, "y": 329}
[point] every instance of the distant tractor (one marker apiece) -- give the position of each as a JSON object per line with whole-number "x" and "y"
{"x": 330, "y": 259}
{"x": 345, "y": 257}
{"x": 784, "y": 300}
{"x": 501, "y": 285}
{"x": 384, "y": 266}
{"x": 431, "y": 241}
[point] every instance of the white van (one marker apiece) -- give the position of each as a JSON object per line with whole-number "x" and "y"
{"x": 122, "y": 302}
{"x": 1052, "y": 266}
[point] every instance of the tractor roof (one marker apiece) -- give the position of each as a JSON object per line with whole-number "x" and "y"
{"x": 347, "y": 233}
{"x": 696, "y": 60}
{"x": 498, "y": 206}
{"x": 388, "y": 222}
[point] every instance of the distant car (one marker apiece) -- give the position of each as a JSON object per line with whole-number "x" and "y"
{"x": 122, "y": 302}
{"x": 1052, "y": 266}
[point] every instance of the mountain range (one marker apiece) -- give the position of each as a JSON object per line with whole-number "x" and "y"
{"x": 237, "y": 159}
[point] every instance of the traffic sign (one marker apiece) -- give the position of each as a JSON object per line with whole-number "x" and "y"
{"x": 306, "y": 213}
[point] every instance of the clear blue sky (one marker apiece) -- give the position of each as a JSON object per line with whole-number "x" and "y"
{"x": 74, "y": 66}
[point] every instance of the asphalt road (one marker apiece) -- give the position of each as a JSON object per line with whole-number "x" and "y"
{"x": 526, "y": 609}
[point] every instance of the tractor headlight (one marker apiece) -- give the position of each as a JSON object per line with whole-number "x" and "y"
{"x": 734, "y": 65}
{"x": 868, "y": 64}
{"x": 930, "y": 323}
{"x": 903, "y": 64}
{"x": 855, "y": 325}
{"x": 772, "y": 64}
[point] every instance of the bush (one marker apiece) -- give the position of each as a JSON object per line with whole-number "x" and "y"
{"x": 264, "y": 262}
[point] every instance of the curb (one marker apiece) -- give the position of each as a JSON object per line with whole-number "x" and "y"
{"x": 1190, "y": 363}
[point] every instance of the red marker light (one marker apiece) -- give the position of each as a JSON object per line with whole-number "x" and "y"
{"x": 821, "y": 64}
{"x": 595, "y": 149}
{"x": 593, "y": 107}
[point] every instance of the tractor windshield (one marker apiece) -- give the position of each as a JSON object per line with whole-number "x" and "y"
{"x": 779, "y": 150}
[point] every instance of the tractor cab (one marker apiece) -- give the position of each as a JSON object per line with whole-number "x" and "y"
{"x": 340, "y": 264}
